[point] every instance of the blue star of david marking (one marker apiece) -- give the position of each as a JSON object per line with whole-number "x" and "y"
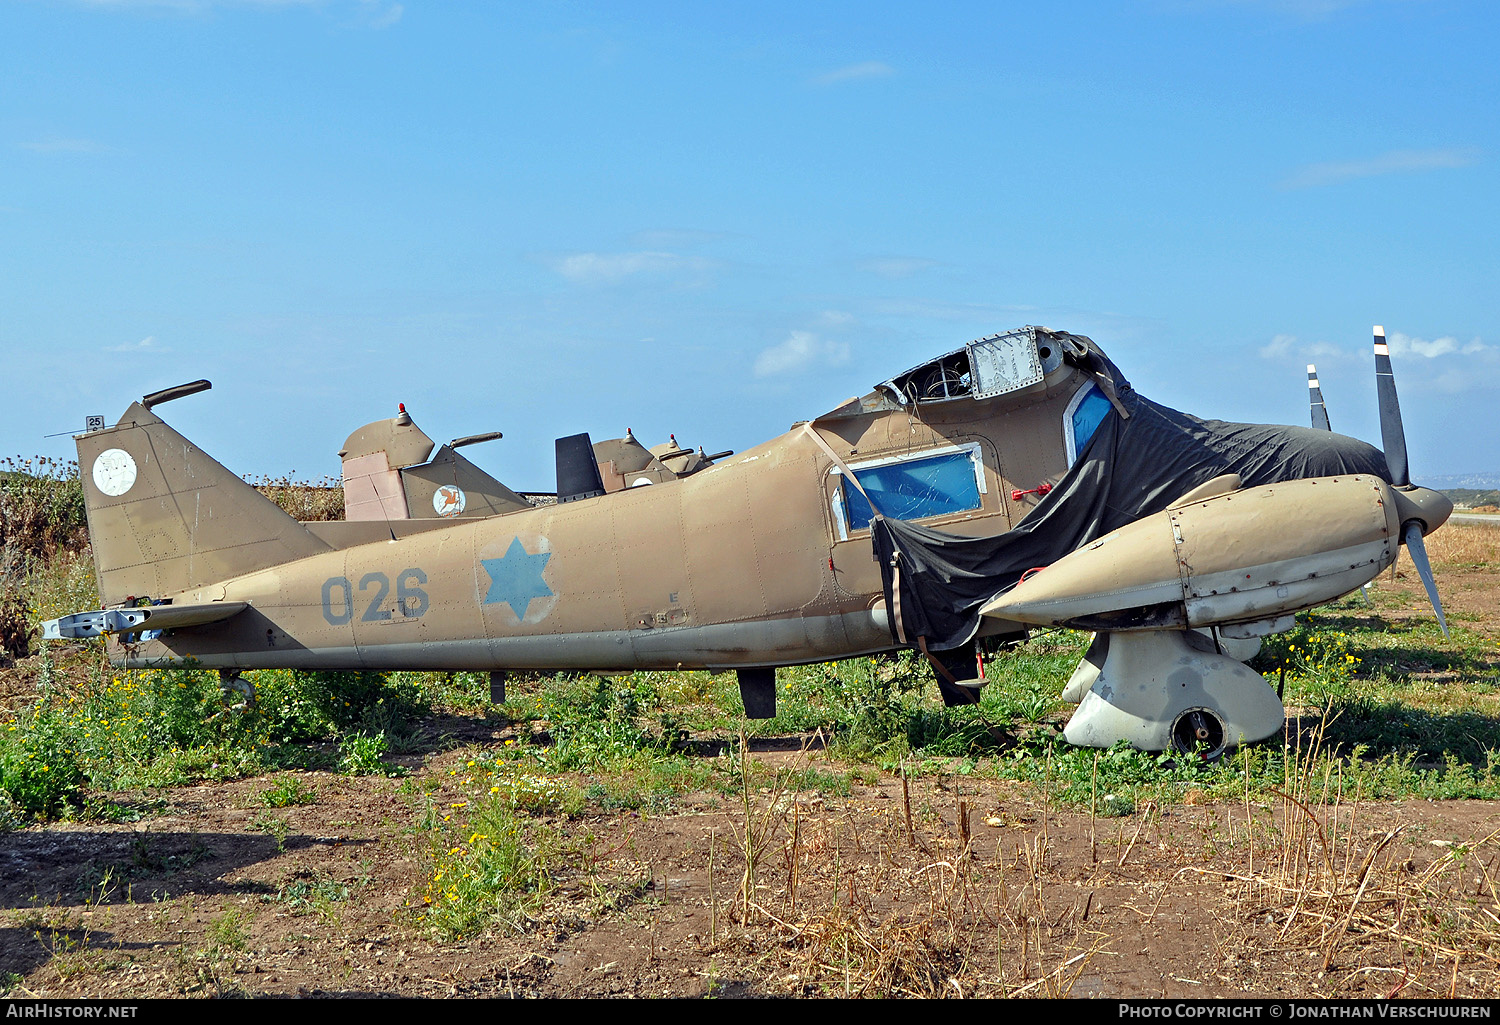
{"x": 516, "y": 578}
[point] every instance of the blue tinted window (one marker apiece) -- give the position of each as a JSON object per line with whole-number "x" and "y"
{"x": 1087, "y": 416}
{"x": 915, "y": 489}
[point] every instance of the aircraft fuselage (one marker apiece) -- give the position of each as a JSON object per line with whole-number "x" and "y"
{"x": 750, "y": 562}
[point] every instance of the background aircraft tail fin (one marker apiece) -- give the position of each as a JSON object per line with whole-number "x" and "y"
{"x": 165, "y": 517}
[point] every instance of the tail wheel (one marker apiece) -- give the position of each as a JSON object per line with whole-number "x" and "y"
{"x": 236, "y": 686}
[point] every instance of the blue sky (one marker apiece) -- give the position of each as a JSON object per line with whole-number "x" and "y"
{"x": 716, "y": 219}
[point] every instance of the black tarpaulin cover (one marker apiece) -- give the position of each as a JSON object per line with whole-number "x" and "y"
{"x": 1130, "y": 468}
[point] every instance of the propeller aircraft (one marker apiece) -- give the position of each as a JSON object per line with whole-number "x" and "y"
{"x": 1016, "y": 482}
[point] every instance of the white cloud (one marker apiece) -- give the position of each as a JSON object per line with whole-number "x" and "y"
{"x": 58, "y": 144}
{"x": 802, "y": 350}
{"x": 1280, "y": 346}
{"x": 147, "y": 344}
{"x": 1283, "y": 345}
{"x": 1405, "y": 345}
{"x": 1441, "y": 365}
{"x": 378, "y": 14}
{"x": 1399, "y": 161}
{"x": 612, "y": 268}
{"x": 852, "y": 72}
{"x": 892, "y": 267}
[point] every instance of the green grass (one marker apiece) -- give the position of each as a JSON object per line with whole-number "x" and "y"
{"x": 285, "y": 791}
{"x": 98, "y": 728}
{"x": 1402, "y": 712}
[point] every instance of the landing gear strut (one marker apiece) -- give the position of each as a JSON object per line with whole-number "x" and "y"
{"x": 234, "y": 683}
{"x": 962, "y": 664}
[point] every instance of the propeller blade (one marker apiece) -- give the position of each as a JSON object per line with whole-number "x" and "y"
{"x": 1315, "y": 397}
{"x": 1392, "y": 435}
{"x": 1411, "y": 536}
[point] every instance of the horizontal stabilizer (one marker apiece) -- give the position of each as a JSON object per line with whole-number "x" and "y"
{"x": 148, "y": 617}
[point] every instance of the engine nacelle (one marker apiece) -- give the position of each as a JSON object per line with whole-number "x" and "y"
{"x": 1250, "y": 557}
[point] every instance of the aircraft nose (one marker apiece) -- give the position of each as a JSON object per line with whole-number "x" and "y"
{"x": 1428, "y": 507}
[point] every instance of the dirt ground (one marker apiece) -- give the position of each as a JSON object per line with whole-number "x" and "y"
{"x": 876, "y": 893}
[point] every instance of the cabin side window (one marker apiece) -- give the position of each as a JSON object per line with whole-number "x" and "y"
{"x": 911, "y": 488}
{"x": 1082, "y": 418}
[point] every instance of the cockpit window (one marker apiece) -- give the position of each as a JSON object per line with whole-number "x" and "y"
{"x": 912, "y": 489}
{"x": 1082, "y": 419}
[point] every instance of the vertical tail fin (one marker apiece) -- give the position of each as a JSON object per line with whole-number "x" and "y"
{"x": 165, "y": 517}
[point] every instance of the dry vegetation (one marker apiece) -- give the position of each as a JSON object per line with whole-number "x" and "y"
{"x": 307, "y": 502}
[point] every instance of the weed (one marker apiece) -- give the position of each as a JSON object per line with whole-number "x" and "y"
{"x": 304, "y": 500}
{"x": 758, "y": 824}
{"x": 1331, "y": 888}
{"x": 834, "y": 784}
{"x": 98, "y": 884}
{"x": 312, "y": 896}
{"x": 491, "y": 875}
{"x": 285, "y": 792}
{"x": 362, "y": 754}
{"x": 41, "y": 508}
{"x": 596, "y": 724}
{"x": 275, "y": 826}
{"x": 40, "y": 773}
{"x": 227, "y": 933}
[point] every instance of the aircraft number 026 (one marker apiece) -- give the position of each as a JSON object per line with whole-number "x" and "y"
{"x": 374, "y": 589}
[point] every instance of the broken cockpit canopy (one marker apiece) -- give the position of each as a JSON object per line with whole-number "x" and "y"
{"x": 988, "y": 367}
